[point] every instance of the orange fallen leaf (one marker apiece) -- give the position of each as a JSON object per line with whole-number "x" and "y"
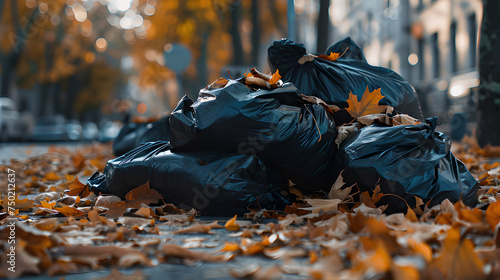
{"x": 51, "y": 176}
{"x": 493, "y": 214}
{"x": 332, "y": 56}
{"x": 275, "y": 77}
{"x": 458, "y": 259}
{"x": 230, "y": 247}
{"x": 231, "y": 224}
{"x": 368, "y": 104}
{"x": 69, "y": 211}
{"x": 48, "y": 205}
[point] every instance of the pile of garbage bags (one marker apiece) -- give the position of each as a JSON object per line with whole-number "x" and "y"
{"x": 332, "y": 81}
{"x": 243, "y": 142}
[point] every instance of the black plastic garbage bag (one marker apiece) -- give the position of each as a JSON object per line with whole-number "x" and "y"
{"x": 406, "y": 161}
{"x": 133, "y": 134}
{"x": 333, "y": 81}
{"x": 292, "y": 137}
{"x": 214, "y": 183}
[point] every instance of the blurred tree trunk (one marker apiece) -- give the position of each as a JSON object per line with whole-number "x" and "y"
{"x": 488, "y": 131}
{"x": 202, "y": 64}
{"x": 276, "y": 18}
{"x": 323, "y": 26}
{"x": 238, "y": 54}
{"x": 10, "y": 61}
{"x": 255, "y": 33}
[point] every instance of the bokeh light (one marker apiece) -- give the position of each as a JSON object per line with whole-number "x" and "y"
{"x": 43, "y": 8}
{"x": 101, "y": 44}
{"x": 413, "y": 59}
{"x": 30, "y": 3}
{"x": 142, "y": 108}
{"x": 80, "y": 12}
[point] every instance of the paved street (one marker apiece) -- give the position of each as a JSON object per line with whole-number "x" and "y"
{"x": 177, "y": 271}
{"x": 25, "y": 150}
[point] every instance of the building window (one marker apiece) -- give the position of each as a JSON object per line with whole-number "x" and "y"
{"x": 453, "y": 47}
{"x": 436, "y": 65}
{"x": 471, "y": 20}
{"x": 421, "y": 59}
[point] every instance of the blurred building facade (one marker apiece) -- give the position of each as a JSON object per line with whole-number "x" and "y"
{"x": 432, "y": 43}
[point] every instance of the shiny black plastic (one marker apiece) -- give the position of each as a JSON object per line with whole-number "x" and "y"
{"x": 214, "y": 183}
{"x": 292, "y": 137}
{"x": 406, "y": 161}
{"x": 133, "y": 134}
{"x": 332, "y": 81}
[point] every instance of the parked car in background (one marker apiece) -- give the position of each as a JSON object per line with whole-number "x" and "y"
{"x": 56, "y": 128}
{"x": 13, "y": 124}
{"x": 109, "y": 130}
{"x": 90, "y": 131}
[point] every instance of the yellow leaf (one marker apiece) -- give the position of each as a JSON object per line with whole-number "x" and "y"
{"x": 368, "y": 104}
{"x": 231, "y": 224}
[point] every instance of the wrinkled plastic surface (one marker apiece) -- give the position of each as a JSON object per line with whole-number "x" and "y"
{"x": 133, "y": 134}
{"x": 406, "y": 161}
{"x": 214, "y": 183}
{"x": 293, "y": 138}
{"x": 332, "y": 81}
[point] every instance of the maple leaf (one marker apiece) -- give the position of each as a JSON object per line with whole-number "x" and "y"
{"x": 134, "y": 199}
{"x": 333, "y": 56}
{"x": 368, "y": 104}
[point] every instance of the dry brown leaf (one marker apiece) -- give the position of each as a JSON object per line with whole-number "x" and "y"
{"x": 322, "y": 205}
{"x": 171, "y": 250}
{"x": 194, "y": 229}
{"x": 78, "y": 189}
{"x": 131, "y": 259}
{"x": 133, "y": 199}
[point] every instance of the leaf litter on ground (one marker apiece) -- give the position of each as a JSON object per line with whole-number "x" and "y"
{"x": 62, "y": 228}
